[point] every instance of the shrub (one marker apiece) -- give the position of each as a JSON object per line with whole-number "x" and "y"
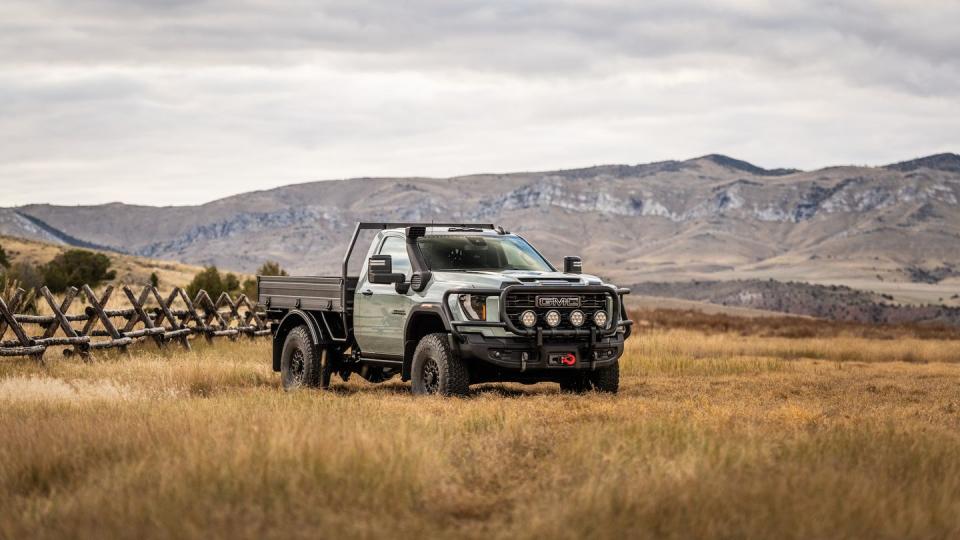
{"x": 214, "y": 283}
{"x": 76, "y": 267}
{"x": 154, "y": 279}
{"x": 230, "y": 283}
{"x": 4, "y": 261}
{"x": 250, "y": 288}
{"x": 28, "y": 276}
{"x": 271, "y": 268}
{"x": 22, "y": 276}
{"x": 8, "y": 289}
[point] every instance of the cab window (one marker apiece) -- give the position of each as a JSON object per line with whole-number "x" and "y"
{"x": 397, "y": 249}
{"x": 480, "y": 253}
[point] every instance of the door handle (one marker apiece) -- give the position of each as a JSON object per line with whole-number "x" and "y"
{"x": 366, "y": 292}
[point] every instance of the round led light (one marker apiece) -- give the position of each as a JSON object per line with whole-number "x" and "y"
{"x": 577, "y": 317}
{"x": 600, "y": 319}
{"x": 528, "y": 318}
{"x": 553, "y": 318}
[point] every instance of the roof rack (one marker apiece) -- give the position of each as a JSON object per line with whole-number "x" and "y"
{"x": 368, "y": 225}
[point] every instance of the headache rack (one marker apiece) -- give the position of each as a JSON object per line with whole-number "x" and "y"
{"x": 515, "y": 299}
{"x": 370, "y": 226}
{"x": 414, "y": 228}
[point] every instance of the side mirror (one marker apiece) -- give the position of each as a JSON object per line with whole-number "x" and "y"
{"x": 572, "y": 265}
{"x": 380, "y": 270}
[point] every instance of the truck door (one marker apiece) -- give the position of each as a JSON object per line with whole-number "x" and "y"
{"x": 379, "y": 311}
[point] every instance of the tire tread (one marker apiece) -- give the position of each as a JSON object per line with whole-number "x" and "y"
{"x": 456, "y": 374}
{"x": 607, "y": 378}
{"x": 300, "y": 337}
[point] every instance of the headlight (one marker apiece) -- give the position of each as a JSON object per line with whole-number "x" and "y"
{"x": 528, "y": 318}
{"x": 600, "y": 319}
{"x": 474, "y": 307}
{"x": 552, "y": 318}
{"x": 577, "y": 317}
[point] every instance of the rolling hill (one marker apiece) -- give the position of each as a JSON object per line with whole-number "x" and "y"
{"x": 130, "y": 268}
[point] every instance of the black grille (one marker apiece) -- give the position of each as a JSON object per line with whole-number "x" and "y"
{"x": 518, "y": 302}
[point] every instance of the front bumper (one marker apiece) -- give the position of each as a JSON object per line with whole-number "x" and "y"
{"x": 525, "y": 354}
{"x": 524, "y": 349}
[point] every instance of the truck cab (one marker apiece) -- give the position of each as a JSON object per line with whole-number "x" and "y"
{"x": 446, "y": 306}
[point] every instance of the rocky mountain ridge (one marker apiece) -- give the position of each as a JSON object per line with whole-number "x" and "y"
{"x": 711, "y": 217}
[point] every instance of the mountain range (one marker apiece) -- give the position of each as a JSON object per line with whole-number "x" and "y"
{"x": 893, "y": 229}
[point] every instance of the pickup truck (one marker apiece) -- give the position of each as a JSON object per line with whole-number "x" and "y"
{"x": 446, "y": 306}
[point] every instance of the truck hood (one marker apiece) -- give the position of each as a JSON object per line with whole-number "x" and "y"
{"x": 490, "y": 279}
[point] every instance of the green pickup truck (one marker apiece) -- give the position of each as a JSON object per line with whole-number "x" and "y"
{"x": 446, "y": 306}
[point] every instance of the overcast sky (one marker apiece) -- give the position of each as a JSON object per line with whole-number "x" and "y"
{"x": 182, "y": 102}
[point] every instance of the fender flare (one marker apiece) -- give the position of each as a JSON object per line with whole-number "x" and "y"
{"x": 432, "y": 311}
{"x": 291, "y": 320}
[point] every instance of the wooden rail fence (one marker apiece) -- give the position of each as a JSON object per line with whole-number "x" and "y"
{"x": 173, "y": 320}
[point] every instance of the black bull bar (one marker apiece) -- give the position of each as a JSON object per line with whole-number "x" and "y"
{"x": 617, "y": 319}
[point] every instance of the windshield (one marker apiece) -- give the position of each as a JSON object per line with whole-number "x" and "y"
{"x": 481, "y": 253}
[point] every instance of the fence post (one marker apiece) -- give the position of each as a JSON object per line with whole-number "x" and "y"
{"x": 165, "y": 313}
{"x": 251, "y": 314}
{"x": 14, "y": 306}
{"x": 140, "y": 314}
{"x": 97, "y": 306}
{"x": 27, "y": 346}
{"x": 225, "y": 300}
{"x": 201, "y": 326}
{"x": 60, "y": 320}
{"x": 210, "y": 313}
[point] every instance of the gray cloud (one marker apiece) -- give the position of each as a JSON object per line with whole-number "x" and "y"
{"x": 909, "y": 46}
{"x": 180, "y": 101}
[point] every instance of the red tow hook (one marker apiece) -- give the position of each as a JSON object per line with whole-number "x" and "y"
{"x": 568, "y": 359}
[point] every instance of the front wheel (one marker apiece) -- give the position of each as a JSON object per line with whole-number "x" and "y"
{"x": 437, "y": 369}
{"x": 605, "y": 379}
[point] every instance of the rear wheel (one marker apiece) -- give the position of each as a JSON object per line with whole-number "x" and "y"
{"x": 303, "y": 363}
{"x": 437, "y": 369}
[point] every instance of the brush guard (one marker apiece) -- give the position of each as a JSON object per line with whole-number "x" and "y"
{"x": 616, "y": 315}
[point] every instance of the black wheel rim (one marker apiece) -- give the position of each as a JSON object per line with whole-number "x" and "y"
{"x": 296, "y": 367}
{"x": 431, "y": 376}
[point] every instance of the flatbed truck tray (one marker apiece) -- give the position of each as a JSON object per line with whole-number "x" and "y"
{"x": 324, "y": 293}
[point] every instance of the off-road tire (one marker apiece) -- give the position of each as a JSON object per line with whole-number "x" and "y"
{"x": 576, "y": 384}
{"x": 606, "y": 379}
{"x": 437, "y": 369}
{"x": 302, "y": 362}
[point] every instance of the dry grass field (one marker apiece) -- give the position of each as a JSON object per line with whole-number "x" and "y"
{"x": 715, "y": 434}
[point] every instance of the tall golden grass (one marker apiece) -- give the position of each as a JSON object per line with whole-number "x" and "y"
{"x": 712, "y": 436}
